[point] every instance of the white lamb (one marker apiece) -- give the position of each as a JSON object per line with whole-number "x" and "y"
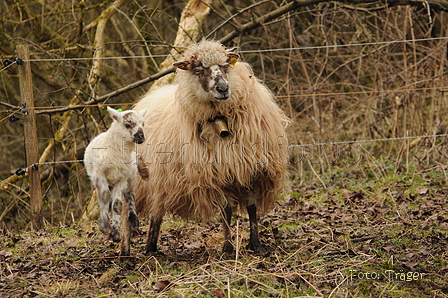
{"x": 112, "y": 165}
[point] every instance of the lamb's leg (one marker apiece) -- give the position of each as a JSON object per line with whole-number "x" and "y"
{"x": 132, "y": 218}
{"x": 125, "y": 244}
{"x": 116, "y": 212}
{"x": 153, "y": 234}
{"x": 104, "y": 203}
{"x": 226, "y": 220}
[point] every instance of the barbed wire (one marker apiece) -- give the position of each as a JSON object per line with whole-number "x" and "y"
{"x": 367, "y": 141}
{"x": 441, "y": 89}
{"x": 21, "y": 172}
{"x": 8, "y": 65}
{"x": 248, "y": 51}
{"x": 244, "y": 51}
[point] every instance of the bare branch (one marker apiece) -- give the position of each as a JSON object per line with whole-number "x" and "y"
{"x": 436, "y": 4}
{"x": 111, "y": 94}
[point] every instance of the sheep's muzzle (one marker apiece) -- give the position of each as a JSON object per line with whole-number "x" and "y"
{"x": 139, "y": 137}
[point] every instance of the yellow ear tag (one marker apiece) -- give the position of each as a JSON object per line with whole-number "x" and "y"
{"x": 209, "y": 146}
{"x": 233, "y": 61}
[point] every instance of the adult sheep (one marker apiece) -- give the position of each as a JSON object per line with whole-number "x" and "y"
{"x": 215, "y": 140}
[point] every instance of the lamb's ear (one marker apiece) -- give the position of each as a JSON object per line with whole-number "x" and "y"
{"x": 182, "y": 65}
{"x": 143, "y": 112}
{"x": 113, "y": 113}
{"x": 233, "y": 58}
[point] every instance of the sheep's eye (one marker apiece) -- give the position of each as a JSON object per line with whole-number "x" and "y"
{"x": 197, "y": 70}
{"x": 127, "y": 125}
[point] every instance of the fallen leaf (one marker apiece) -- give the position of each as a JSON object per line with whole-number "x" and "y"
{"x": 193, "y": 245}
{"x": 218, "y": 293}
{"x": 71, "y": 243}
{"x": 422, "y": 191}
{"x": 347, "y": 193}
{"x": 5, "y": 253}
{"x": 161, "y": 285}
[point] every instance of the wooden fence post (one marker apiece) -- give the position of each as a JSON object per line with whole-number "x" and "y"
{"x": 30, "y": 133}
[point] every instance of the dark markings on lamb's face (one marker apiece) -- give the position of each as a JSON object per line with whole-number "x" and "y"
{"x": 213, "y": 79}
{"x": 135, "y": 129}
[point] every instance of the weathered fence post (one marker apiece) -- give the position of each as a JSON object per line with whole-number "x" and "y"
{"x": 30, "y": 133}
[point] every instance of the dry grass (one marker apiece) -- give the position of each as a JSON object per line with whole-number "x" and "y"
{"x": 361, "y": 236}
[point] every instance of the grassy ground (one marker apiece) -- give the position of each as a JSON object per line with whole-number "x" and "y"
{"x": 357, "y": 233}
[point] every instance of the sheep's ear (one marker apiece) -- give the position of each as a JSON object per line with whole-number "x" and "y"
{"x": 182, "y": 65}
{"x": 113, "y": 113}
{"x": 143, "y": 112}
{"x": 233, "y": 58}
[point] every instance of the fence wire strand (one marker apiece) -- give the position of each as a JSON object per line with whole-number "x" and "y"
{"x": 290, "y": 145}
{"x": 390, "y": 42}
{"x": 251, "y": 51}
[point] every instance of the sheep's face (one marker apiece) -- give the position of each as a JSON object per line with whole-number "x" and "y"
{"x": 131, "y": 124}
{"x": 213, "y": 78}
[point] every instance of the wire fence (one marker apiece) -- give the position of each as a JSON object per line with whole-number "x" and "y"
{"x": 302, "y": 48}
{"x": 21, "y": 172}
{"x": 8, "y": 63}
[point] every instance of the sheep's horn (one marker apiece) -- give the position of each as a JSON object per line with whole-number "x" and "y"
{"x": 221, "y": 127}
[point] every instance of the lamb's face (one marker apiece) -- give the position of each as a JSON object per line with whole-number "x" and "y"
{"x": 131, "y": 124}
{"x": 213, "y": 78}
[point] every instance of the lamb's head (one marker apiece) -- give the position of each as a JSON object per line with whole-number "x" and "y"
{"x": 130, "y": 124}
{"x": 209, "y": 62}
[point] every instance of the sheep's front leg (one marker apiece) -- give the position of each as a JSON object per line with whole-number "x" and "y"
{"x": 132, "y": 218}
{"x": 226, "y": 220}
{"x": 254, "y": 240}
{"x": 153, "y": 234}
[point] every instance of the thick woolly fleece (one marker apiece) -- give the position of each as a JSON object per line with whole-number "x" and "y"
{"x": 193, "y": 171}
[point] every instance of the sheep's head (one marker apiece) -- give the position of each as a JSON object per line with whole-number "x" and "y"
{"x": 131, "y": 124}
{"x": 209, "y": 62}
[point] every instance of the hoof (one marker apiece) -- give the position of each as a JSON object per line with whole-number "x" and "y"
{"x": 105, "y": 227}
{"x": 228, "y": 247}
{"x": 133, "y": 222}
{"x": 125, "y": 253}
{"x": 156, "y": 253}
{"x": 115, "y": 236}
{"x": 259, "y": 249}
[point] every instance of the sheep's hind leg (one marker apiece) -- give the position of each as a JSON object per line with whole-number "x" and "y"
{"x": 125, "y": 244}
{"x": 116, "y": 213}
{"x": 226, "y": 220}
{"x": 153, "y": 234}
{"x": 104, "y": 203}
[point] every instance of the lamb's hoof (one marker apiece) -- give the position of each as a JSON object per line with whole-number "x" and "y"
{"x": 105, "y": 227}
{"x": 228, "y": 247}
{"x": 127, "y": 261}
{"x": 115, "y": 236}
{"x": 133, "y": 222}
{"x": 124, "y": 254}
